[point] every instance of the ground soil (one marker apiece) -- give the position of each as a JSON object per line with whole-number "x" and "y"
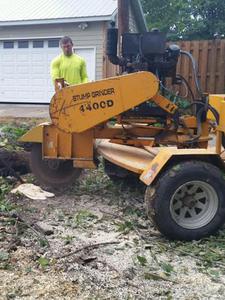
{"x": 131, "y": 260}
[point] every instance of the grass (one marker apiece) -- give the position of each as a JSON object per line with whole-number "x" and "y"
{"x": 5, "y": 187}
{"x": 84, "y": 218}
{"x": 96, "y": 182}
{"x": 209, "y": 252}
{"x": 10, "y": 133}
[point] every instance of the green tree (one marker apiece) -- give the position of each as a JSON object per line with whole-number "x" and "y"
{"x": 208, "y": 18}
{"x": 190, "y": 19}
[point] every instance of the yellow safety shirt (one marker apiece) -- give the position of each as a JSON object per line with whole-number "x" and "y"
{"x": 71, "y": 68}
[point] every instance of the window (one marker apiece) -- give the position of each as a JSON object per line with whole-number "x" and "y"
{"x": 8, "y": 44}
{"x": 23, "y": 44}
{"x": 53, "y": 43}
{"x": 38, "y": 44}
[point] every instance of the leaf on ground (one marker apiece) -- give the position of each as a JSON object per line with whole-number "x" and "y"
{"x": 142, "y": 260}
{"x": 84, "y": 216}
{"x": 214, "y": 273}
{"x": 44, "y": 262}
{"x": 4, "y": 256}
{"x": 125, "y": 226}
{"x": 167, "y": 268}
{"x": 153, "y": 276}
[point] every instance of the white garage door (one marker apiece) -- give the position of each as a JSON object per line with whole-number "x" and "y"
{"x": 24, "y": 69}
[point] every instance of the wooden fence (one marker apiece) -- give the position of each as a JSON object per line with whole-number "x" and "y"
{"x": 210, "y": 60}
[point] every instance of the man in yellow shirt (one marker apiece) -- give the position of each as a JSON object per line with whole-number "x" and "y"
{"x": 69, "y": 65}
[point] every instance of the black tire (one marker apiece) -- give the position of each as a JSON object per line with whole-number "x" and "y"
{"x": 122, "y": 176}
{"x": 187, "y": 201}
{"x": 54, "y": 173}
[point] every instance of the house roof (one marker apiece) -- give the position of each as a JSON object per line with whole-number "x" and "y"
{"x": 24, "y": 12}
{"x": 46, "y": 10}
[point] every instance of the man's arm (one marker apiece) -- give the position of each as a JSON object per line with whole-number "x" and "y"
{"x": 55, "y": 73}
{"x": 83, "y": 72}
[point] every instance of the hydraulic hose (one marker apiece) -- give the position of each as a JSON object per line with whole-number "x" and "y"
{"x": 188, "y": 86}
{"x": 194, "y": 69}
{"x": 199, "y": 115}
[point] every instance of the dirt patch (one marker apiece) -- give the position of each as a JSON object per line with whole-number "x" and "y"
{"x": 102, "y": 247}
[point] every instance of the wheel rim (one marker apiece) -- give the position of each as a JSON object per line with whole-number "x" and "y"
{"x": 194, "y": 204}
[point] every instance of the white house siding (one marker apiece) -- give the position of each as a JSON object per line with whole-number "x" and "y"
{"x": 92, "y": 36}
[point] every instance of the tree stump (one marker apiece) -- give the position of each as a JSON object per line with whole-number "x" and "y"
{"x": 14, "y": 162}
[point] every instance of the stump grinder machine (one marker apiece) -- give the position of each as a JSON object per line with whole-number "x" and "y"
{"x": 141, "y": 130}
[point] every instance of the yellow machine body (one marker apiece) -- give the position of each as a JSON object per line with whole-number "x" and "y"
{"x": 215, "y": 101}
{"x": 148, "y": 162}
{"x": 214, "y": 155}
{"x": 81, "y": 107}
{"x": 79, "y": 126}
{"x": 78, "y": 114}
{"x": 34, "y": 135}
{"x": 165, "y": 155}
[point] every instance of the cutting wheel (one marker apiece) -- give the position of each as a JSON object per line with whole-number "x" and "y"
{"x": 52, "y": 172}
